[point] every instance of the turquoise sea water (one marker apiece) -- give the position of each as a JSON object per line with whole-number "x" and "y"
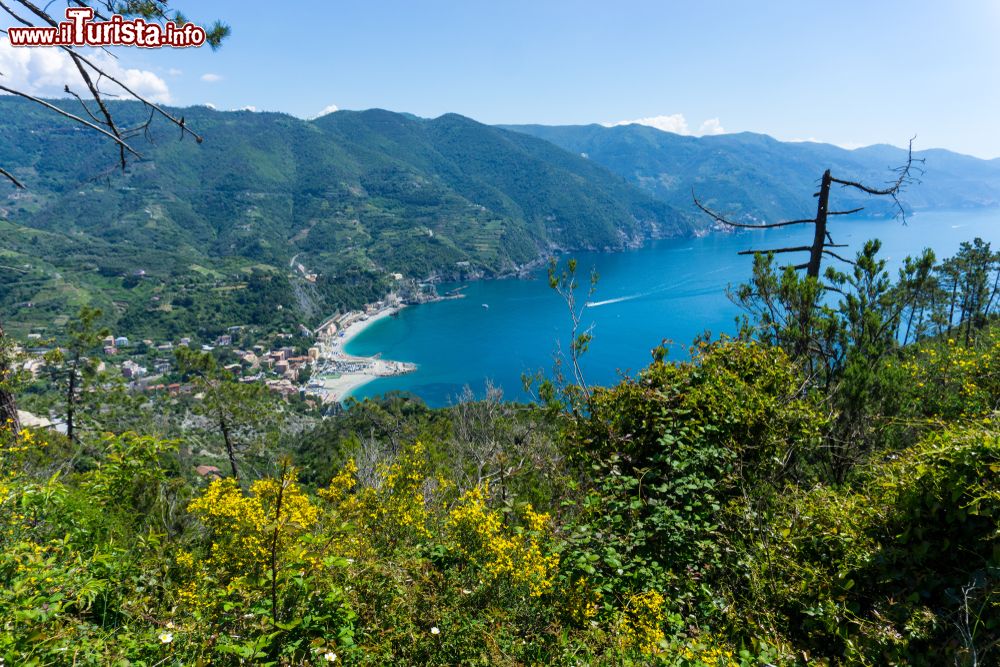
{"x": 672, "y": 289}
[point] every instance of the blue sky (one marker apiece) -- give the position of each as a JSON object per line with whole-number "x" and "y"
{"x": 852, "y": 73}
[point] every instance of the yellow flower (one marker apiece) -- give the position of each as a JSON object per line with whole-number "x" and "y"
{"x": 245, "y": 526}
{"x": 503, "y": 554}
{"x": 535, "y": 521}
{"x": 641, "y": 623}
{"x": 184, "y": 559}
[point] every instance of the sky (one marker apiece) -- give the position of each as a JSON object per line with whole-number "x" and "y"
{"x": 852, "y": 73}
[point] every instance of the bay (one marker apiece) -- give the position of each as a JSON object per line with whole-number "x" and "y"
{"x": 670, "y": 290}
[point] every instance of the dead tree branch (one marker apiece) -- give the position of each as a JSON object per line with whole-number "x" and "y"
{"x": 822, "y": 240}
{"x": 102, "y": 118}
{"x": 92, "y": 126}
{"x": 6, "y": 174}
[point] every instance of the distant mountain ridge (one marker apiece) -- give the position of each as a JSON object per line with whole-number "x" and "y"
{"x": 756, "y": 177}
{"x": 275, "y": 219}
{"x": 351, "y": 197}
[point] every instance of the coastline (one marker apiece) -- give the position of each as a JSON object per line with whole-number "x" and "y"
{"x": 355, "y": 328}
{"x": 352, "y": 371}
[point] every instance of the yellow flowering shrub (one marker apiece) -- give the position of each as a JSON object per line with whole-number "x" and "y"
{"x": 640, "y": 623}
{"x": 954, "y": 380}
{"x": 536, "y": 521}
{"x": 707, "y": 651}
{"x": 503, "y": 554}
{"x": 243, "y": 526}
{"x": 184, "y": 559}
{"x": 580, "y": 602}
{"x": 15, "y": 448}
{"x": 394, "y": 509}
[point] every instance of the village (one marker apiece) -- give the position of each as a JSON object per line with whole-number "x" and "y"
{"x": 308, "y": 364}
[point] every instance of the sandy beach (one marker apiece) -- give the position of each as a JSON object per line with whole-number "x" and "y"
{"x": 340, "y": 389}
{"x": 337, "y": 389}
{"x": 356, "y": 328}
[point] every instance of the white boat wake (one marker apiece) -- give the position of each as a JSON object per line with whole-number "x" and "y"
{"x": 608, "y": 302}
{"x": 672, "y": 287}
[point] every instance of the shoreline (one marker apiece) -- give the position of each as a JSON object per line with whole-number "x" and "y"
{"x": 352, "y": 371}
{"x": 355, "y": 329}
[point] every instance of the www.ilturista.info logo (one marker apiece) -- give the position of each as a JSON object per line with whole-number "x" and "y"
{"x": 80, "y": 29}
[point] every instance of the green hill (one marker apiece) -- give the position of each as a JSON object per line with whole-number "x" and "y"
{"x": 351, "y": 197}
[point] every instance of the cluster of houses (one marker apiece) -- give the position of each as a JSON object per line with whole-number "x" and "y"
{"x": 282, "y": 361}
{"x": 149, "y": 366}
{"x": 111, "y": 344}
{"x": 279, "y": 368}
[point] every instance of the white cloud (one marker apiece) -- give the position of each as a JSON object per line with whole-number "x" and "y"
{"x": 326, "y": 110}
{"x": 247, "y": 108}
{"x": 711, "y": 126}
{"x": 675, "y": 123}
{"x": 173, "y": 71}
{"x": 44, "y": 72}
{"x": 209, "y": 77}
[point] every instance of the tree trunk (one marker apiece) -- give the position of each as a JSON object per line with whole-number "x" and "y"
{"x": 964, "y": 314}
{"x": 996, "y": 288}
{"x": 71, "y": 402}
{"x": 815, "y": 260}
{"x": 951, "y": 311}
{"x": 819, "y": 236}
{"x": 8, "y": 406}
{"x": 909, "y": 324}
{"x": 230, "y": 448}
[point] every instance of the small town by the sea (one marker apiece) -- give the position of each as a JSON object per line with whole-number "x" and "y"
{"x": 310, "y": 365}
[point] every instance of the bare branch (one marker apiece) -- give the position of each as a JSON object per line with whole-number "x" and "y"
{"x": 15, "y": 16}
{"x": 730, "y": 223}
{"x": 78, "y": 61}
{"x": 109, "y": 121}
{"x": 801, "y": 248}
{"x": 835, "y": 255}
{"x": 179, "y": 122}
{"x": 59, "y": 111}
{"x": 853, "y": 210}
{"x": 905, "y": 178}
{"x": 82, "y": 104}
{"x": 93, "y": 74}
{"x": 6, "y": 174}
{"x": 95, "y": 93}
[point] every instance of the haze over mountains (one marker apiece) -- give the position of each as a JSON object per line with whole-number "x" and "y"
{"x": 224, "y": 232}
{"x": 753, "y": 176}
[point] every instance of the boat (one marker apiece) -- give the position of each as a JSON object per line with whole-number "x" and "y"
{"x": 486, "y": 305}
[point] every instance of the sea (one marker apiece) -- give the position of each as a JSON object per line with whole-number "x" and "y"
{"x": 667, "y": 292}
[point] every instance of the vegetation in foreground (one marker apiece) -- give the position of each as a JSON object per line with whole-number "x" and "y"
{"x": 810, "y": 492}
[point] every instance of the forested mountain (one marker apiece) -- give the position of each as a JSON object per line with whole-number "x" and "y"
{"x": 753, "y": 176}
{"x": 351, "y": 197}
{"x": 272, "y": 210}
